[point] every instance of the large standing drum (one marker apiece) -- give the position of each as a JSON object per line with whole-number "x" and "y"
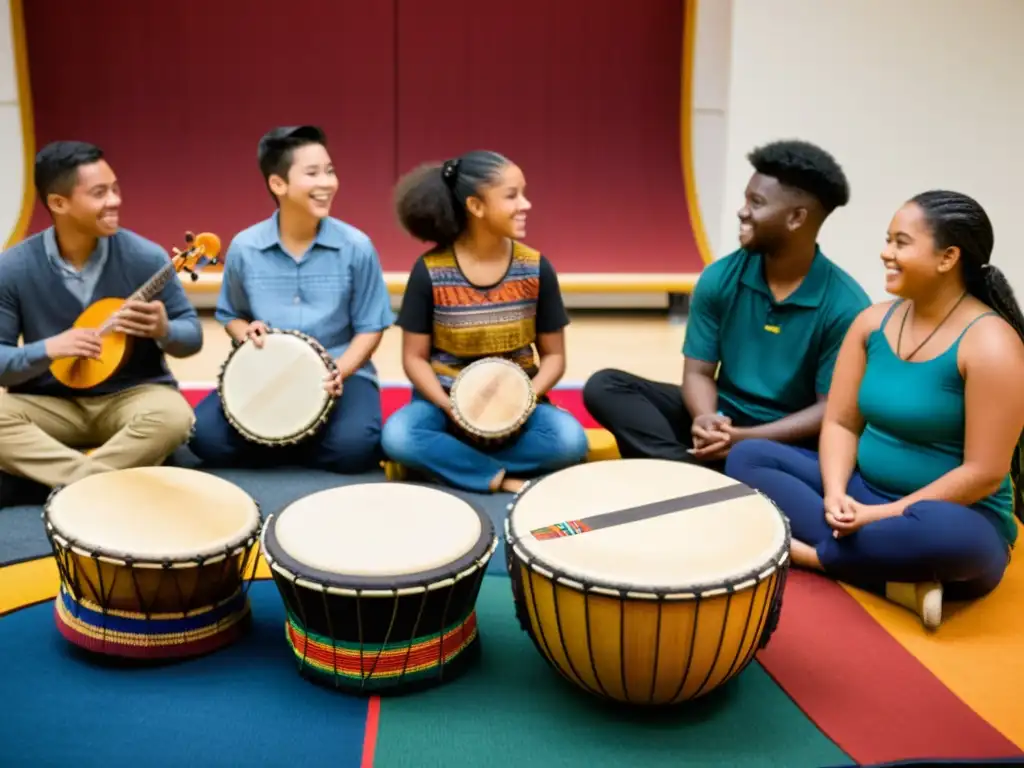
{"x": 646, "y": 581}
{"x": 380, "y": 583}
{"x": 275, "y": 395}
{"x": 492, "y": 399}
{"x": 154, "y": 562}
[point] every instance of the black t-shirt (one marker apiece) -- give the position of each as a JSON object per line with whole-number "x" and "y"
{"x": 417, "y": 312}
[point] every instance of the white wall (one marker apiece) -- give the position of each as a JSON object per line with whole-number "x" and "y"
{"x": 710, "y": 103}
{"x": 12, "y": 154}
{"x": 907, "y": 95}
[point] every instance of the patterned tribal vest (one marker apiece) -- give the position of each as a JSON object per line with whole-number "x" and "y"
{"x": 471, "y": 323}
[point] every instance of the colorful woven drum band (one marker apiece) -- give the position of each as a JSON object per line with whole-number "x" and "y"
{"x": 377, "y": 667}
{"x": 133, "y": 635}
{"x": 380, "y": 583}
{"x": 154, "y": 562}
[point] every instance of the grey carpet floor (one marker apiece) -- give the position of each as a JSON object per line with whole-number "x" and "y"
{"x": 21, "y": 528}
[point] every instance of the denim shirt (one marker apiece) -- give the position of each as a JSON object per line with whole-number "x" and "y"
{"x": 333, "y": 292}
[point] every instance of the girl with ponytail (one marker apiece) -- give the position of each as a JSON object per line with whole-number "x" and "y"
{"x": 915, "y": 489}
{"x": 477, "y": 292}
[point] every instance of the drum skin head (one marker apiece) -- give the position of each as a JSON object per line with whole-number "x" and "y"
{"x": 277, "y": 391}
{"x": 373, "y": 533}
{"x": 680, "y": 549}
{"x": 492, "y": 395}
{"x": 153, "y": 513}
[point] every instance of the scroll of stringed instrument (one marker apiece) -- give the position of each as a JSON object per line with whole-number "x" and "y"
{"x": 81, "y": 373}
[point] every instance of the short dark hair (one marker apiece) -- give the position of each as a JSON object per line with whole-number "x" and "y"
{"x": 431, "y": 200}
{"x": 958, "y": 220}
{"x": 57, "y": 164}
{"x": 277, "y": 148}
{"x": 804, "y": 166}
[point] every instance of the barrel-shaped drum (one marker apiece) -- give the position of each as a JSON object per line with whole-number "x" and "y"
{"x": 380, "y": 582}
{"x": 646, "y": 581}
{"x": 154, "y": 562}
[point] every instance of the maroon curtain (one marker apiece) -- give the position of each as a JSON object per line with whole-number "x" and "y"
{"x": 585, "y": 97}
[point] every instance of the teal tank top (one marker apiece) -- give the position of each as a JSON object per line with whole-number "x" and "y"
{"x": 914, "y": 424}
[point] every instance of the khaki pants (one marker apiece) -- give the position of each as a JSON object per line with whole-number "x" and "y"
{"x": 137, "y": 427}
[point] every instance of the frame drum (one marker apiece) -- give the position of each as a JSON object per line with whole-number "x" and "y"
{"x": 646, "y": 581}
{"x": 380, "y": 582}
{"x": 491, "y": 400}
{"x": 154, "y": 562}
{"x": 275, "y": 395}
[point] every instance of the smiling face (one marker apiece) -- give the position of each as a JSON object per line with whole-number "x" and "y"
{"x": 501, "y": 206}
{"x": 771, "y": 213}
{"x": 93, "y": 204}
{"x": 311, "y": 183}
{"x": 913, "y": 264}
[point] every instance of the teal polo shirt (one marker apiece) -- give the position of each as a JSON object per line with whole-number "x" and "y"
{"x": 775, "y": 357}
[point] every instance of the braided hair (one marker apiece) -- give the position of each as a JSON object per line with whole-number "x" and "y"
{"x": 955, "y": 219}
{"x": 431, "y": 200}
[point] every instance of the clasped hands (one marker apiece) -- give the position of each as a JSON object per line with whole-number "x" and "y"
{"x": 713, "y": 435}
{"x": 845, "y": 514}
{"x": 333, "y": 382}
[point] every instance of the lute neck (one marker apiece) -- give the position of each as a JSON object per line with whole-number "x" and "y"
{"x": 154, "y": 285}
{"x": 146, "y": 293}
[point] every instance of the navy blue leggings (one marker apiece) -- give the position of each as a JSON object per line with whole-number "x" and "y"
{"x": 931, "y": 541}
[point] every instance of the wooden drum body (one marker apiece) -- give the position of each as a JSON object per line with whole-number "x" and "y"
{"x": 646, "y": 581}
{"x": 154, "y": 562}
{"x": 380, "y": 583}
{"x": 275, "y": 396}
{"x": 491, "y": 400}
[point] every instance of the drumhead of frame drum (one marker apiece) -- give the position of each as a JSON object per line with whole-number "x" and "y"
{"x": 647, "y": 525}
{"x": 378, "y": 535}
{"x": 492, "y": 395}
{"x": 153, "y": 514}
{"x": 275, "y": 392}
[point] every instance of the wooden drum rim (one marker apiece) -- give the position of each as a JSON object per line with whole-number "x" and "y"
{"x": 302, "y": 433}
{"x": 513, "y": 428}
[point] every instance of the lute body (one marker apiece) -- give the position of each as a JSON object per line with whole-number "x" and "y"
{"x": 101, "y": 315}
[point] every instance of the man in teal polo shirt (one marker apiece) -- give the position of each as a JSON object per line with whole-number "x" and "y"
{"x": 765, "y": 326}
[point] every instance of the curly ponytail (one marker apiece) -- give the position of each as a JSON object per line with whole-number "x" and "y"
{"x": 431, "y": 200}
{"x": 956, "y": 219}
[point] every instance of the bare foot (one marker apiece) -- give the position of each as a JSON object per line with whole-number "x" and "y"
{"x": 497, "y": 481}
{"x": 804, "y": 555}
{"x": 512, "y": 485}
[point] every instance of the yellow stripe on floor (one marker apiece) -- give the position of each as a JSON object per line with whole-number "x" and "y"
{"x": 977, "y": 652}
{"x": 33, "y": 581}
{"x": 25, "y": 583}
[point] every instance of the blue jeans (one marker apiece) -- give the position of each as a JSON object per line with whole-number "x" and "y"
{"x": 348, "y": 443}
{"x": 931, "y": 541}
{"x": 418, "y": 436}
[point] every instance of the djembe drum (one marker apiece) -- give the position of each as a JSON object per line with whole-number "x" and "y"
{"x": 380, "y": 582}
{"x": 275, "y": 395}
{"x": 646, "y": 581}
{"x": 492, "y": 399}
{"x": 154, "y": 562}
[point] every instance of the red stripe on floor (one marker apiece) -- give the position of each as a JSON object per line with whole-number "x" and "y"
{"x": 370, "y": 735}
{"x": 861, "y": 687}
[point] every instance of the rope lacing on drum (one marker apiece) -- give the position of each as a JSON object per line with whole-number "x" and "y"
{"x": 414, "y": 633}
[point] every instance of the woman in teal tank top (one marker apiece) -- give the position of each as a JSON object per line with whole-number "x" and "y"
{"x": 916, "y": 487}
